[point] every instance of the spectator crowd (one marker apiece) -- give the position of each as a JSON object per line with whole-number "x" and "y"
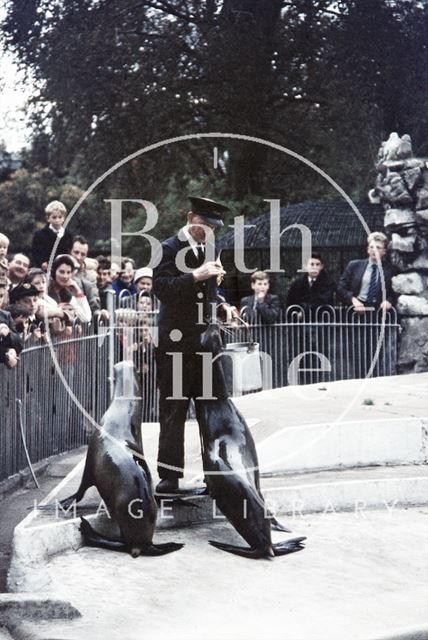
{"x": 73, "y": 294}
{"x": 77, "y": 289}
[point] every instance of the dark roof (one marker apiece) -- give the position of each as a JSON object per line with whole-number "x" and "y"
{"x": 332, "y": 224}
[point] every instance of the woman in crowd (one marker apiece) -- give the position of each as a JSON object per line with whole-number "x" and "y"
{"x": 65, "y": 290}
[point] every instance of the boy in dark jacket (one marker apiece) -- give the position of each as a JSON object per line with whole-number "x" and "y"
{"x": 262, "y": 305}
{"x": 314, "y": 288}
{"x": 44, "y": 239}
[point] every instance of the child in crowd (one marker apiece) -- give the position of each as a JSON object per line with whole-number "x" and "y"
{"x": 44, "y": 239}
{"x": 124, "y": 286}
{"x": 10, "y": 342}
{"x": 143, "y": 279}
{"x": 261, "y": 306}
{"x": 4, "y": 265}
{"x": 114, "y": 271}
{"x": 4, "y": 246}
{"x": 91, "y": 268}
{"x": 48, "y": 308}
{"x": 26, "y": 297}
{"x": 20, "y": 317}
{"x": 314, "y": 288}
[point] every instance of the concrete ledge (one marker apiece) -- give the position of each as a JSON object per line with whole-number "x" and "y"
{"x": 312, "y": 447}
{"x": 354, "y": 444}
{"x": 326, "y": 426}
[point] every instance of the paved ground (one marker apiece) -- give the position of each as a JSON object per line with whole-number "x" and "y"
{"x": 360, "y": 577}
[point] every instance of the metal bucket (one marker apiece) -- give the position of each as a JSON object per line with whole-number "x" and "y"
{"x": 242, "y": 368}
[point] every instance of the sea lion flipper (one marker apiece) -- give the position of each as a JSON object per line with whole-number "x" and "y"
{"x": 65, "y": 504}
{"x": 138, "y": 455}
{"x": 277, "y": 525}
{"x": 161, "y": 549}
{"x": 94, "y": 539}
{"x": 85, "y": 483}
{"x": 245, "y": 552}
{"x": 289, "y": 546}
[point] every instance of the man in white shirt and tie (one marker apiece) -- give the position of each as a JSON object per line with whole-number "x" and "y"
{"x": 361, "y": 283}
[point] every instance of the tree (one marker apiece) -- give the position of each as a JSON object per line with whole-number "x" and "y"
{"x": 328, "y": 80}
{"x": 23, "y": 198}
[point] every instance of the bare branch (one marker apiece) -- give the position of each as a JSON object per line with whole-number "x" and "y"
{"x": 166, "y": 7}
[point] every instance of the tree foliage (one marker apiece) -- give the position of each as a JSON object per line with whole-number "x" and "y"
{"x": 23, "y": 198}
{"x": 327, "y": 80}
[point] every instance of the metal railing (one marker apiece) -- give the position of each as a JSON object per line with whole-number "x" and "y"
{"x": 308, "y": 346}
{"x": 303, "y": 347}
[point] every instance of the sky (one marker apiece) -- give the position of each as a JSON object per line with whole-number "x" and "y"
{"x": 13, "y": 96}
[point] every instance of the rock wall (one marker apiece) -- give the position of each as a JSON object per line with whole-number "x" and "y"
{"x": 402, "y": 188}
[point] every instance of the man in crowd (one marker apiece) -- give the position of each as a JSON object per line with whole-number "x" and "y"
{"x": 18, "y": 269}
{"x": 124, "y": 285}
{"x": 104, "y": 280}
{"x": 314, "y": 288}
{"x": 79, "y": 251}
{"x": 44, "y": 239}
{"x": 182, "y": 295}
{"x": 261, "y": 306}
{"x": 360, "y": 285}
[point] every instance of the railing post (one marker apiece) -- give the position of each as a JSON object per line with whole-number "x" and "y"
{"x": 111, "y": 300}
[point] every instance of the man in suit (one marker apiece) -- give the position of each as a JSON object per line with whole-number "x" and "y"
{"x": 314, "y": 288}
{"x": 79, "y": 252}
{"x": 17, "y": 269}
{"x": 180, "y": 282}
{"x": 360, "y": 285}
{"x": 262, "y": 305}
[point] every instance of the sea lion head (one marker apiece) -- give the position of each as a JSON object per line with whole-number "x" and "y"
{"x": 125, "y": 384}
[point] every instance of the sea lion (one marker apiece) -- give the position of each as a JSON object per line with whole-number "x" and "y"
{"x": 115, "y": 464}
{"x": 231, "y": 466}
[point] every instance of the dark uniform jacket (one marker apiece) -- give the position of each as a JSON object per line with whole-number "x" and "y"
{"x": 183, "y": 301}
{"x": 268, "y": 311}
{"x": 320, "y": 293}
{"x": 43, "y": 242}
{"x": 350, "y": 282}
